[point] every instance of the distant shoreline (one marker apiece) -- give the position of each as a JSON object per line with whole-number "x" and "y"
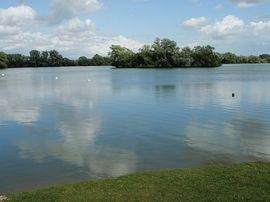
{"x": 163, "y": 53}
{"x": 113, "y": 67}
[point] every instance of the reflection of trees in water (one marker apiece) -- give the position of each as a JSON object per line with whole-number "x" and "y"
{"x": 165, "y": 89}
{"x": 126, "y": 80}
{"x": 236, "y": 140}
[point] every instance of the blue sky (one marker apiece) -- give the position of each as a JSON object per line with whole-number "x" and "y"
{"x": 86, "y": 27}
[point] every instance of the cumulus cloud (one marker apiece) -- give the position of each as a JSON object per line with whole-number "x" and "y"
{"x": 70, "y": 41}
{"x": 67, "y": 33}
{"x": 262, "y": 29}
{"x": 232, "y": 33}
{"x": 13, "y": 19}
{"x": 106, "y": 42}
{"x": 248, "y": 3}
{"x": 67, "y": 9}
{"x": 228, "y": 27}
{"x": 17, "y": 16}
{"x": 196, "y": 22}
{"x": 76, "y": 25}
{"x": 260, "y": 26}
{"x": 8, "y": 30}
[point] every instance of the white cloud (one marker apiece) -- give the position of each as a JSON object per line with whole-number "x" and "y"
{"x": 105, "y": 44}
{"x": 8, "y": 30}
{"x": 13, "y": 22}
{"x": 67, "y": 9}
{"x": 75, "y": 25}
{"x": 231, "y": 33}
{"x": 14, "y": 19}
{"x": 262, "y": 30}
{"x": 196, "y": 22}
{"x": 260, "y": 26}
{"x": 73, "y": 37}
{"x": 17, "y": 16}
{"x": 248, "y": 3}
{"x": 228, "y": 27}
{"x": 67, "y": 41}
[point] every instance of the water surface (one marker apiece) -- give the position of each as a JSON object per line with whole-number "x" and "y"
{"x": 62, "y": 125}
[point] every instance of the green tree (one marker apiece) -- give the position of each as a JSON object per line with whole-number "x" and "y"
{"x": 84, "y": 61}
{"x": 253, "y": 59}
{"x": 69, "y": 62}
{"x": 265, "y": 58}
{"x": 144, "y": 58}
{"x": 18, "y": 60}
{"x": 204, "y": 56}
{"x": 165, "y": 52}
{"x": 121, "y": 56}
{"x": 55, "y": 59}
{"x": 3, "y": 60}
{"x": 242, "y": 59}
{"x": 229, "y": 58}
{"x": 184, "y": 57}
{"x": 98, "y": 60}
{"x": 44, "y": 59}
{"x": 35, "y": 58}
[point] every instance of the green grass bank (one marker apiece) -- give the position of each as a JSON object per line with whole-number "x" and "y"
{"x": 240, "y": 182}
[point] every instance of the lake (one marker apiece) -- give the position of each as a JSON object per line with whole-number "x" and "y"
{"x": 64, "y": 125}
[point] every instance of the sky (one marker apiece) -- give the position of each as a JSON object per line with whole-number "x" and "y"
{"x": 87, "y": 27}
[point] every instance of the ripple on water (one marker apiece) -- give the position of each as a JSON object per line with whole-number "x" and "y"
{"x": 125, "y": 121}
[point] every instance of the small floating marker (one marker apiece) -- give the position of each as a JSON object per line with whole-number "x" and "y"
{"x": 3, "y": 75}
{"x": 89, "y": 80}
{"x": 56, "y": 78}
{"x": 233, "y": 94}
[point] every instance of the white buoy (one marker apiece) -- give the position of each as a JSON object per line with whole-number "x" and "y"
{"x": 89, "y": 80}
{"x": 56, "y": 78}
{"x": 3, "y": 75}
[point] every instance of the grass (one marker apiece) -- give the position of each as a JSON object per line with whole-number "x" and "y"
{"x": 241, "y": 182}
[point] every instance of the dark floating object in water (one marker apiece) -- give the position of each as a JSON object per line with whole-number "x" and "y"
{"x": 233, "y": 95}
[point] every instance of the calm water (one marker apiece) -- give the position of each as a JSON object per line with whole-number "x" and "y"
{"x": 98, "y": 122}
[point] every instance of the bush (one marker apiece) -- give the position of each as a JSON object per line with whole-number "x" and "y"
{"x": 3, "y": 65}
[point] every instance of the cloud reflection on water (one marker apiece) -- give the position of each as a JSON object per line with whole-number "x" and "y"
{"x": 238, "y": 139}
{"x": 15, "y": 101}
{"x": 71, "y": 102}
{"x": 196, "y": 104}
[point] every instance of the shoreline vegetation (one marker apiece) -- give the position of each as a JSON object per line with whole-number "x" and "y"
{"x": 237, "y": 182}
{"x": 163, "y": 53}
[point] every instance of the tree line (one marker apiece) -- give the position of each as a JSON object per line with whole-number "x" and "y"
{"x": 48, "y": 59}
{"x": 162, "y": 53}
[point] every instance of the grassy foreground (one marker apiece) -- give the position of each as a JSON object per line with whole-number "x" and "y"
{"x": 242, "y": 182}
